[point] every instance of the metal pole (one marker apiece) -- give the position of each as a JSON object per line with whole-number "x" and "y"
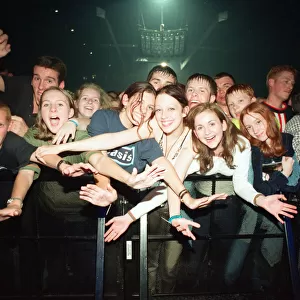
{"x": 295, "y": 279}
{"x": 99, "y": 293}
{"x": 143, "y": 258}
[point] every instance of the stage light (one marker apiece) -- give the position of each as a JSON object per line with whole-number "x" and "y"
{"x": 163, "y": 43}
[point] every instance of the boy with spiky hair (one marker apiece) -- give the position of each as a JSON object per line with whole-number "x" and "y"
{"x": 160, "y": 76}
{"x": 200, "y": 88}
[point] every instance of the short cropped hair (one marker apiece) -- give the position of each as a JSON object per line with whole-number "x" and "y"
{"x": 224, "y": 74}
{"x": 204, "y": 77}
{"x": 245, "y": 88}
{"x": 164, "y": 70}
{"x": 276, "y": 70}
{"x": 6, "y": 109}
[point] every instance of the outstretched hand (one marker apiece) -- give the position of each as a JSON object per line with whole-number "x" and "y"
{"x": 118, "y": 226}
{"x": 98, "y": 196}
{"x": 10, "y": 211}
{"x": 182, "y": 225}
{"x": 204, "y": 201}
{"x": 79, "y": 169}
{"x": 146, "y": 178}
{"x": 66, "y": 131}
{"x": 276, "y": 207}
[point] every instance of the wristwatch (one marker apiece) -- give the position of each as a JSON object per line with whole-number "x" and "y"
{"x": 10, "y": 200}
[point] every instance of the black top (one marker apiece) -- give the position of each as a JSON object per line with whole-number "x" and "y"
{"x": 15, "y": 153}
{"x": 18, "y": 96}
{"x": 276, "y": 182}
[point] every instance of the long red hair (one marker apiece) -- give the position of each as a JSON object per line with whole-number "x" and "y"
{"x": 275, "y": 148}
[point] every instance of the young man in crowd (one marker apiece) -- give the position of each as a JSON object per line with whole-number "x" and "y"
{"x": 224, "y": 81}
{"x": 237, "y": 98}
{"x": 160, "y": 76}
{"x": 280, "y": 82}
{"x": 200, "y": 88}
{"x": 22, "y": 93}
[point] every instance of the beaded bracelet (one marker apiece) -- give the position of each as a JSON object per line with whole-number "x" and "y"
{"x": 174, "y": 217}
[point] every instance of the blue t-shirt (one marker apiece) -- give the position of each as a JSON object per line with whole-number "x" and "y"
{"x": 136, "y": 155}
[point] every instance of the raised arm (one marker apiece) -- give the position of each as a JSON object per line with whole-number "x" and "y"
{"x": 4, "y": 50}
{"x": 120, "y": 224}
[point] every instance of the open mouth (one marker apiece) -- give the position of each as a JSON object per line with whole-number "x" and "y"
{"x": 88, "y": 108}
{"x": 54, "y": 121}
{"x": 210, "y": 139}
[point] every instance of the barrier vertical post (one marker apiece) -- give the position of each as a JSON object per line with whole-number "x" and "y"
{"x": 100, "y": 254}
{"x": 295, "y": 279}
{"x": 143, "y": 258}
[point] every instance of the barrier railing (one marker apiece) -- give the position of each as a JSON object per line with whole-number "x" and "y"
{"x": 97, "y": 239}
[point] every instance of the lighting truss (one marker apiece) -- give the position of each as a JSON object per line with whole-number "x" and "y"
{"x": 163, "y": 43}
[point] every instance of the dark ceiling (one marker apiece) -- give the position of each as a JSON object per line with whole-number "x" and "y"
{"x": 256, "y": 35}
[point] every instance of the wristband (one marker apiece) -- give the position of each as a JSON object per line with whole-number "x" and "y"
{"x": 174, "y": 217}
{"x": 74, "y": 122}
{"x": 182, "y": 193}
{"x": 131, "y": 215}
{"x": 61, "y": 162}
{"x": 10, "y": 200}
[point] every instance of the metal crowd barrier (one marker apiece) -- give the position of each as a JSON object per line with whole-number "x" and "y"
{"x": 143, "y": 239}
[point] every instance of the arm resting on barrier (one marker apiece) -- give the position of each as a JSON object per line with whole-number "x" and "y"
{"x": 21, "y": 186}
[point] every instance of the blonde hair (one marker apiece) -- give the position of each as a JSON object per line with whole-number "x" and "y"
{"x": 43, "y": 132}
{"x": 231, "y": 138}
{"x": 276, "y": 70}
{"x": 105, "y": 100}
{"x": 6, "y": 109}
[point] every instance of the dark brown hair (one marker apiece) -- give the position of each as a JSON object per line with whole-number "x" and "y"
{"x": 231, "y": 137}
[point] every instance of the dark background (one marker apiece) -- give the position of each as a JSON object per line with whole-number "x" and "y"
{"x": 257, "y": 35}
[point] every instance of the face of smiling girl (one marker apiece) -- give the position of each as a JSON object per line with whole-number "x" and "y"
{"x": 169, "y": 114}
{"x": 88, "y": 102}
{"x": 55, "y": 110}
{"x": 209, "y": 130}
{"x": 136, "y": 109}
{"x": 256, "y": 126}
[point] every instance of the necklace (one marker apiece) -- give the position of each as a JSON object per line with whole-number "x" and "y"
{"x": 178, "y": 149}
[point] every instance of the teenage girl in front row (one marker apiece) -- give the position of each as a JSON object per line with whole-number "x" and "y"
{"x": 137, "y": 108}
{"x": 219, "y": 148}
{"x": 56, "y": 107}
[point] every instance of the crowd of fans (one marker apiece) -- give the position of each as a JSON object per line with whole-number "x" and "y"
{"x": 151, "y": 137}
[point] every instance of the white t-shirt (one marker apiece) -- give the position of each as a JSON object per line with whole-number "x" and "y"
{"x": 242, "y": 162}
